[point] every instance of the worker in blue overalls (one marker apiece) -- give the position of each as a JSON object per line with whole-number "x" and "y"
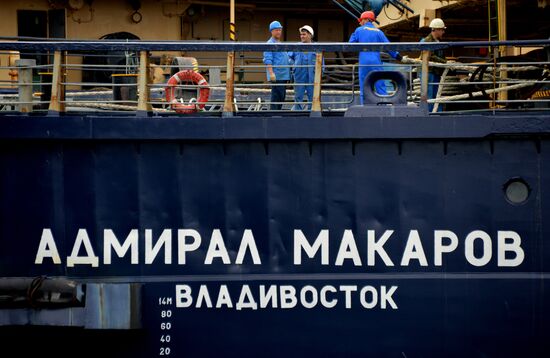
{"x": 304, "y": 71}
{"x": 278, "y": 70}
{"x": 368, "y": 60}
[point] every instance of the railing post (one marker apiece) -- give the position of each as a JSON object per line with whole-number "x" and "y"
{"x": 25, "y": 67}
{"x": 228, "y": 107}
{"x": 425, "y": 78}
{"x": 57, "y": 99}
{"x": 144, "y": 79}
{"x": 316, "y": 105}
{"x": 494, "y": 51}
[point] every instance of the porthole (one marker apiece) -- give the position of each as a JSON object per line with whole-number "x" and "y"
{"x": 516, "y": 191}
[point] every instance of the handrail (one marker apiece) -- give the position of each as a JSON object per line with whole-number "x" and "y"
{"x": 62, "y": 48}
{"x": 84, "y": 45}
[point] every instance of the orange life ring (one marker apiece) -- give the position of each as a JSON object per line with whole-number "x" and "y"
{"x": 190, "y": 76}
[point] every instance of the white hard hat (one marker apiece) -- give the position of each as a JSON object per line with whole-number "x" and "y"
{"x": 437, "y": 24}
{"x": 308, "y": 29}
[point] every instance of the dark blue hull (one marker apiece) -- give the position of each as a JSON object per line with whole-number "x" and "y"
{"x": 358, "y": 178}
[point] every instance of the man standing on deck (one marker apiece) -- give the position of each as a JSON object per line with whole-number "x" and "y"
{"x": 437, "y": 27}
{"x": 368, "y": 60}
{"x": 304, "y": 70}
{"x": 278, "y": 70}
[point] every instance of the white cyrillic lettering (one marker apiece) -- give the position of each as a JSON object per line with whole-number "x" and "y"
{"x": 323, "y": 297}
{"x": 386, "y": 297}
{"x": 217, "y": 249}
{"x": 203, "y": 296}
{"x": 224, "y": 298}
{"x": 300, "y": 242}
{"x": 469, "y": 248}
{"x": 246, "y": 294}
{"x": 288, "y": 296}
{"x": 270, "y": 295}
{"x": 90, "y": 258}
{"x": 363, "y": 297}
{"x": 374, "y": 246}
{"x": 47, "y": 248}
{"x": 111, "y": 242}
{"x": 165, "y": 239}
{"x": 439, "y": 248}
{"x": 414, "y": 250}
{"x": 183, "y": 247}
{"x": 183, "y": 296}
{"x": 514, "y": 246}
{"x": 348, "y": 250}
{"x": 348, "y": 290}
{"x": 314, "y": 296}
{"x": 248, "y": 242}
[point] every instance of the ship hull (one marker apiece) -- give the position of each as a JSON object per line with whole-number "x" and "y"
{"x": 261, "y": 189}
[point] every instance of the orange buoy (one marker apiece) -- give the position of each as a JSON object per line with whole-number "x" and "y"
{"x": 187, "y": 76}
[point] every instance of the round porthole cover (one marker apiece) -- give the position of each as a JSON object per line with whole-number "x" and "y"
{"x": 516, "y": 191}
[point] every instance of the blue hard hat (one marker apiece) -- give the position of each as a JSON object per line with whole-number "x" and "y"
{"x": 275, "y": 25}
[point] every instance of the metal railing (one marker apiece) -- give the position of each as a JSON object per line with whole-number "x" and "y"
{"x": 335, "y": 86}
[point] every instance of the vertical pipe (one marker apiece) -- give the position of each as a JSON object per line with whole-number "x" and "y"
{"x": 25, "y": 67}
{"x": 502, "y": 36}
{"x": 316, "y": 105}
{"x": 57, "y": 99}
{"x": 502, "y": 29}
{"x": 228, "y": 107}
{"x": 425, "y": 75}
{"x": 490, "y": 15}
{"x": 143, "y": 85}
{"x": 232, "y": 33}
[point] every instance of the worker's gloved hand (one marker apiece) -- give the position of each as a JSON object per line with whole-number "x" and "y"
{"x": 405, "y": 59}
{"x": 272, "y": 77}
{"x": 399, "y": 57}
